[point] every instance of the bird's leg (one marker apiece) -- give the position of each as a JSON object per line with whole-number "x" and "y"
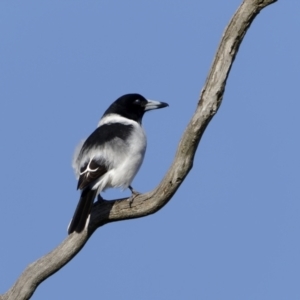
{"x": 133, "y": 191}
{"x": 134, "y": 194}
{"x": 99, "y": 198}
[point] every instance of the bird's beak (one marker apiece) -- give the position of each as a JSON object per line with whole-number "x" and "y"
{"x": 154, "y": 105}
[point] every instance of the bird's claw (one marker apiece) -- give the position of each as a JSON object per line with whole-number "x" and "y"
{"x": 134, "y": 194}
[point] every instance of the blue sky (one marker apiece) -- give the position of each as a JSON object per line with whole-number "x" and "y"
{"x": 232, "y": 229}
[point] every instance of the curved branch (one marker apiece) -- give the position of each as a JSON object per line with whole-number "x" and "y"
{"x": 104, "y": 212}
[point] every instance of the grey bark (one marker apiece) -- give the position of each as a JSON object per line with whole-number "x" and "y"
{"x": 104, "y": 212}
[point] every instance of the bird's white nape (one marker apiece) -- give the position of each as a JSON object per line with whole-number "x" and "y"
{"x": 115, "y": 118}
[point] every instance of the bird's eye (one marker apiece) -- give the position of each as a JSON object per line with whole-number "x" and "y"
{"x": 137, "y": 101}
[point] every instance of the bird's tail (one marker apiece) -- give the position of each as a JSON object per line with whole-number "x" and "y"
{"x": 82, "y": 211}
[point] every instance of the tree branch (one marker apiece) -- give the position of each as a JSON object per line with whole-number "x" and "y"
{"x": 104, "y": 212}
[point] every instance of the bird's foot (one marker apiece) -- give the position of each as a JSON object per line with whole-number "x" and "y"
{"x": 133, "y": 191}
{"x": 134, "y": 194}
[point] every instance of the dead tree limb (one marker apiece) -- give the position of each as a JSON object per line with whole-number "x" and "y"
{"x": 104, "y": 212}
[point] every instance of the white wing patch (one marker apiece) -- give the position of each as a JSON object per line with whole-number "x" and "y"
{"x": 88, "y": 169}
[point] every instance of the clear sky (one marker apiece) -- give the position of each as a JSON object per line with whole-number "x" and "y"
{"x": 232, "y": 230}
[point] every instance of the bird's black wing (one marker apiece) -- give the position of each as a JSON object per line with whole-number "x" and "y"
{"x": 102, "y": 137}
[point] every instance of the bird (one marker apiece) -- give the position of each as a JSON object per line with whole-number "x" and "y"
{"x": 112, "y": 155}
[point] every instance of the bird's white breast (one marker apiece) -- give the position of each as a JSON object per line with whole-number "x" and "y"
{"x": 127, "y": 166}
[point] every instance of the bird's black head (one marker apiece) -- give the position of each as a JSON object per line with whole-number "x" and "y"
{"x": 133, "y": 106}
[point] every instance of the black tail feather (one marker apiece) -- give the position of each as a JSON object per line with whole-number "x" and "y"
{"x": 82, "y": 211}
